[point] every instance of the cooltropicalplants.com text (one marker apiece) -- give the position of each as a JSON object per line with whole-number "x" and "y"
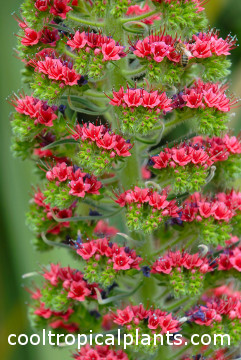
{"x": 119, "y": 338}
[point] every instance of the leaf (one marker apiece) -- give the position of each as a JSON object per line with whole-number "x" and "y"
{"x": 87, "y": 217}
{"x": 60, "y": 142}
{"x": 74, "y": 101}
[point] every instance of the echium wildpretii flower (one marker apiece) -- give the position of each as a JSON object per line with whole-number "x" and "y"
{"x": 208, "y": 104}
{"x": 67, "y": 184}
{"x": 107, "y": 87}
{"x": 189, "y": 164}
{"x": 106, "y": 260}
{"x": 163, "y": 62}
{"x": 140, "y": 110}
{"x": 99, "y": 147}
{"x": 146, "y": 209}
{"x": 52, "y": 76}
{"x": 94, "y": 52}
{"x": 185, "y": 271}
{"x": 220, "y": 315}
{"x": 149, "y": 321}
{"x": 38, "y": 12}
{"x": 214, "y": 217}
{"x": 61, "y": 300}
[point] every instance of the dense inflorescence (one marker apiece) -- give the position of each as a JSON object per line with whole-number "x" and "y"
{"x": 127, "y": 123}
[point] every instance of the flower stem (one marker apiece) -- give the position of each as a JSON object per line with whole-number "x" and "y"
{"x": 85, "y": 21}
{"x": 140, "y": 17}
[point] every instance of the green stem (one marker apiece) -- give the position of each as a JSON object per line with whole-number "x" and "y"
{"x": 135, "y": 71}
{"x": 97, "y": 24}
{"x": 176, "y": 304}
{"x": 140, "y": 17}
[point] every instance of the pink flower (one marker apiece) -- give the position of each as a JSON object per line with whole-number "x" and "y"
{"x": 78, "y": 188}
{"x": 150, "y": 100}
{"x": 111, "y": 51}
{"x": 142, "y": 48}
{"x": 46, "y": 116}
{"x": 181, "y": 157}
{"x": 193, "y": 99}
{"x": 79, "y": 40}
{"x": 78, "y": 291}
{"x": 42, "y": 5}
{"x": 206, "y": 209}
{"x": 133, "y": 97}
{"x": 159, "y": 50}
{"x": 121, "y": 261}
{"x": 31, "y": 37}
{"x": 201, "y": 49}
{"x": 60, "y": 8}
{"x": 236, "y": 261}
{"x": 86, "y": 250}
{"x": 124, "y": 316}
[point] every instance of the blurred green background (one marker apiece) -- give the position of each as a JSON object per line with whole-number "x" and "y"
{"x": 17, "y": 255}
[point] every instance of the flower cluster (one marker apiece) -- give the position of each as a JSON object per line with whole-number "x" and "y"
{"x": 52, "y": 76}
{"x": 105, "y": 260}
{"x": 215, "y": 217}
{"x": 30, "y": 37}
{"x": 222, "y": 316}
{"x": 100, "y": 353}
{"x": 137, "y": 10}
{"x": 211, "y": 102}
{"x": 40, "y": 219}
{"x": 149, "y": 321}
{"x": 36, "y": 12}
{"x": 158, "y": 52}
{"x": 185, "y": 271}
{"x": 138, "y": 109}
{"x": 94, "y": 51}
{"x": 60, "y": 300}
{"x": 99, "y": 147}
{"x": 146, "y": 209}
{"x": 230, "y": 259}
{"x": 30, "y": 114}
{"x": 187, "y": 165}
{"x": 66, "y": 182}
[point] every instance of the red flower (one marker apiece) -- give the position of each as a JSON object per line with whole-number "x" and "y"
{"x": 206, "y": 209}
{"x": 142, "y": 48}
{"x": 201, "y": 49}
{"x": 46, "y": 116}
{"x": 86, "y": 250}
{"x": 151, "y": 99}
{"x": 193, "y": 99}
{"x": 111, "y": 51}
{"x": 235, "y": 260}
{"x": 124, "y": 316}
{"x": 31, "y": 37}
{"x": 167, "y": 323}
{"x": 181, "y": 157}
{"x": 133, "y": 97}
{"x": 79, "y": 40}
{"x": 70, "y": 76}
{"x": 60, "y": 8}
{"x": 50, "y": 37}
{"x": 78, "y": 188}
{"x": 42, "y": 5}
{"x": 78, "y": 291}
{"x": 159, "y": 50}
{"x": 161, "y": 161}
{"x": 121, "y": 261}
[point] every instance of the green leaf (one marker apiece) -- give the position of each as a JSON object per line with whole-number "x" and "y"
{"x": 60, "y": 142}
